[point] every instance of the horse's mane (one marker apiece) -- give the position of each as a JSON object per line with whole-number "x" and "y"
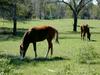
{"x": 25, "y": 36}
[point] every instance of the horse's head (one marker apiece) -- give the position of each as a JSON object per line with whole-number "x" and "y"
{"x": 21, "y": 52}
{"x": 23, "y": 49}
{"x": 24, "y": 45}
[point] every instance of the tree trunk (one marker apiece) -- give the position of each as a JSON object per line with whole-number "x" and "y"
{"x": 14, "y": 27}
{"x": 14, "y": 20}
{"x": 75, "y": 22}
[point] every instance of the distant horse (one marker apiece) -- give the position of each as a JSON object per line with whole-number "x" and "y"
{"x": 37, "y": 34}
{"x": 85, "y": 30}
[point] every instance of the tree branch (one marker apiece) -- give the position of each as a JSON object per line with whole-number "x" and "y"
{"x": 68, "y": 5}
{"x": 74, "y": 3}
{"x": 82, "y": 5}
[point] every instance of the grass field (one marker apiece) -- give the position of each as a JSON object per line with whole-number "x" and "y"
{"x": 72, "y": 56}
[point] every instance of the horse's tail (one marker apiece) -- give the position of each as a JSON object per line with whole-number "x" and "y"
{"x": 57, "y": 35}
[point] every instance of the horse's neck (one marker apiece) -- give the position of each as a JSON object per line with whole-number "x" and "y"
{"x": 25, "y": 45}
{"x": 25, "y": 37}
{"x": 24, "y": 41}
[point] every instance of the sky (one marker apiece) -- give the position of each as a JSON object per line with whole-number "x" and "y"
{"x": 94, "y": 1}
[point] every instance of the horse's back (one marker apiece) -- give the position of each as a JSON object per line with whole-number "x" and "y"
{"x": 41, "y": 33}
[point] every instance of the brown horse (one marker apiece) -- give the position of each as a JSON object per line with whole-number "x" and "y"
{"x": 37, "y": 34}
{"x": 85, "y": 30}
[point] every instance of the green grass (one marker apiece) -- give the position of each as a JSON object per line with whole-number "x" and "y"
{"x": 71, "y": 57}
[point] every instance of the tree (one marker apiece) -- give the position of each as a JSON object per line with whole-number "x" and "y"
{"x": 11, "y": 7}
{"x": 14, "y": 20}
{"x": 98, "y": 2}
{"x": 76, "y": 6}
{"x": 6, "y": 5}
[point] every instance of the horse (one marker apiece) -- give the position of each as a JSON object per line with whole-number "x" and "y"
{"x": 37, "y": 34}
{"x": 85, "y": 30}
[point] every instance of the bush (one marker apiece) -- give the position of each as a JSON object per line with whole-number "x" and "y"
{"x": 87, "y": 55}
{"x": 5, "y": 67}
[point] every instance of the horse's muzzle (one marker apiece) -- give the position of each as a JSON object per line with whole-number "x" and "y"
{"x": 21, "y": 57}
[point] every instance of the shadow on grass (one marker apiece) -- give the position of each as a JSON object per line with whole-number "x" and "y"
{"x": 69, "y": 35}
{"x": 91, "y": 62}
{"x": 35, "y": 62}
{"x": 92, "y": 40}
{"x": 15, "y": 60}
{"x": 78, "y": 32}
{"x": 6, "y": 34}
{"x": 41, "y": 59}
{"x": 69, "y": 32}
{"x": 95, "y": 32}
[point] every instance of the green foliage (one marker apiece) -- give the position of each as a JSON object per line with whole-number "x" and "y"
{"x": 87, "y": 55}
{"x": 5, "y": 67}
{"x": 23, "y": 8}
{"x": 44, "y": 9}
{"x": 91, "y": 11}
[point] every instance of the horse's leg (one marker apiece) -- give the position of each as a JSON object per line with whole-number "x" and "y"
{"x": 83, "y": 35}
{"x": 48, "y": 49}
{"x": 88, "y": 36}
{"x": 34, "y": 44}
{"x": 50, "y": 46}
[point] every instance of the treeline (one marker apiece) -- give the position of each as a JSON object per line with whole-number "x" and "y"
{"x": 45, "y": 9}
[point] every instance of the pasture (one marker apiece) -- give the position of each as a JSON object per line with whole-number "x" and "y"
{"x": 72, "y": 56}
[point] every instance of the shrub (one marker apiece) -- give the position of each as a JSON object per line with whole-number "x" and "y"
{"x": 87, "y": 55}
{"x": 5, "y": 67}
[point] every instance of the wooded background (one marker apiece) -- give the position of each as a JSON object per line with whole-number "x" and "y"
{"x": 49, "y": 9}
{"x": 46, "y": 9}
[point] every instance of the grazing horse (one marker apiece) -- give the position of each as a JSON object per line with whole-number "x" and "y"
{"x": 85, "y": 30}
{"x": 37, "y": 34}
